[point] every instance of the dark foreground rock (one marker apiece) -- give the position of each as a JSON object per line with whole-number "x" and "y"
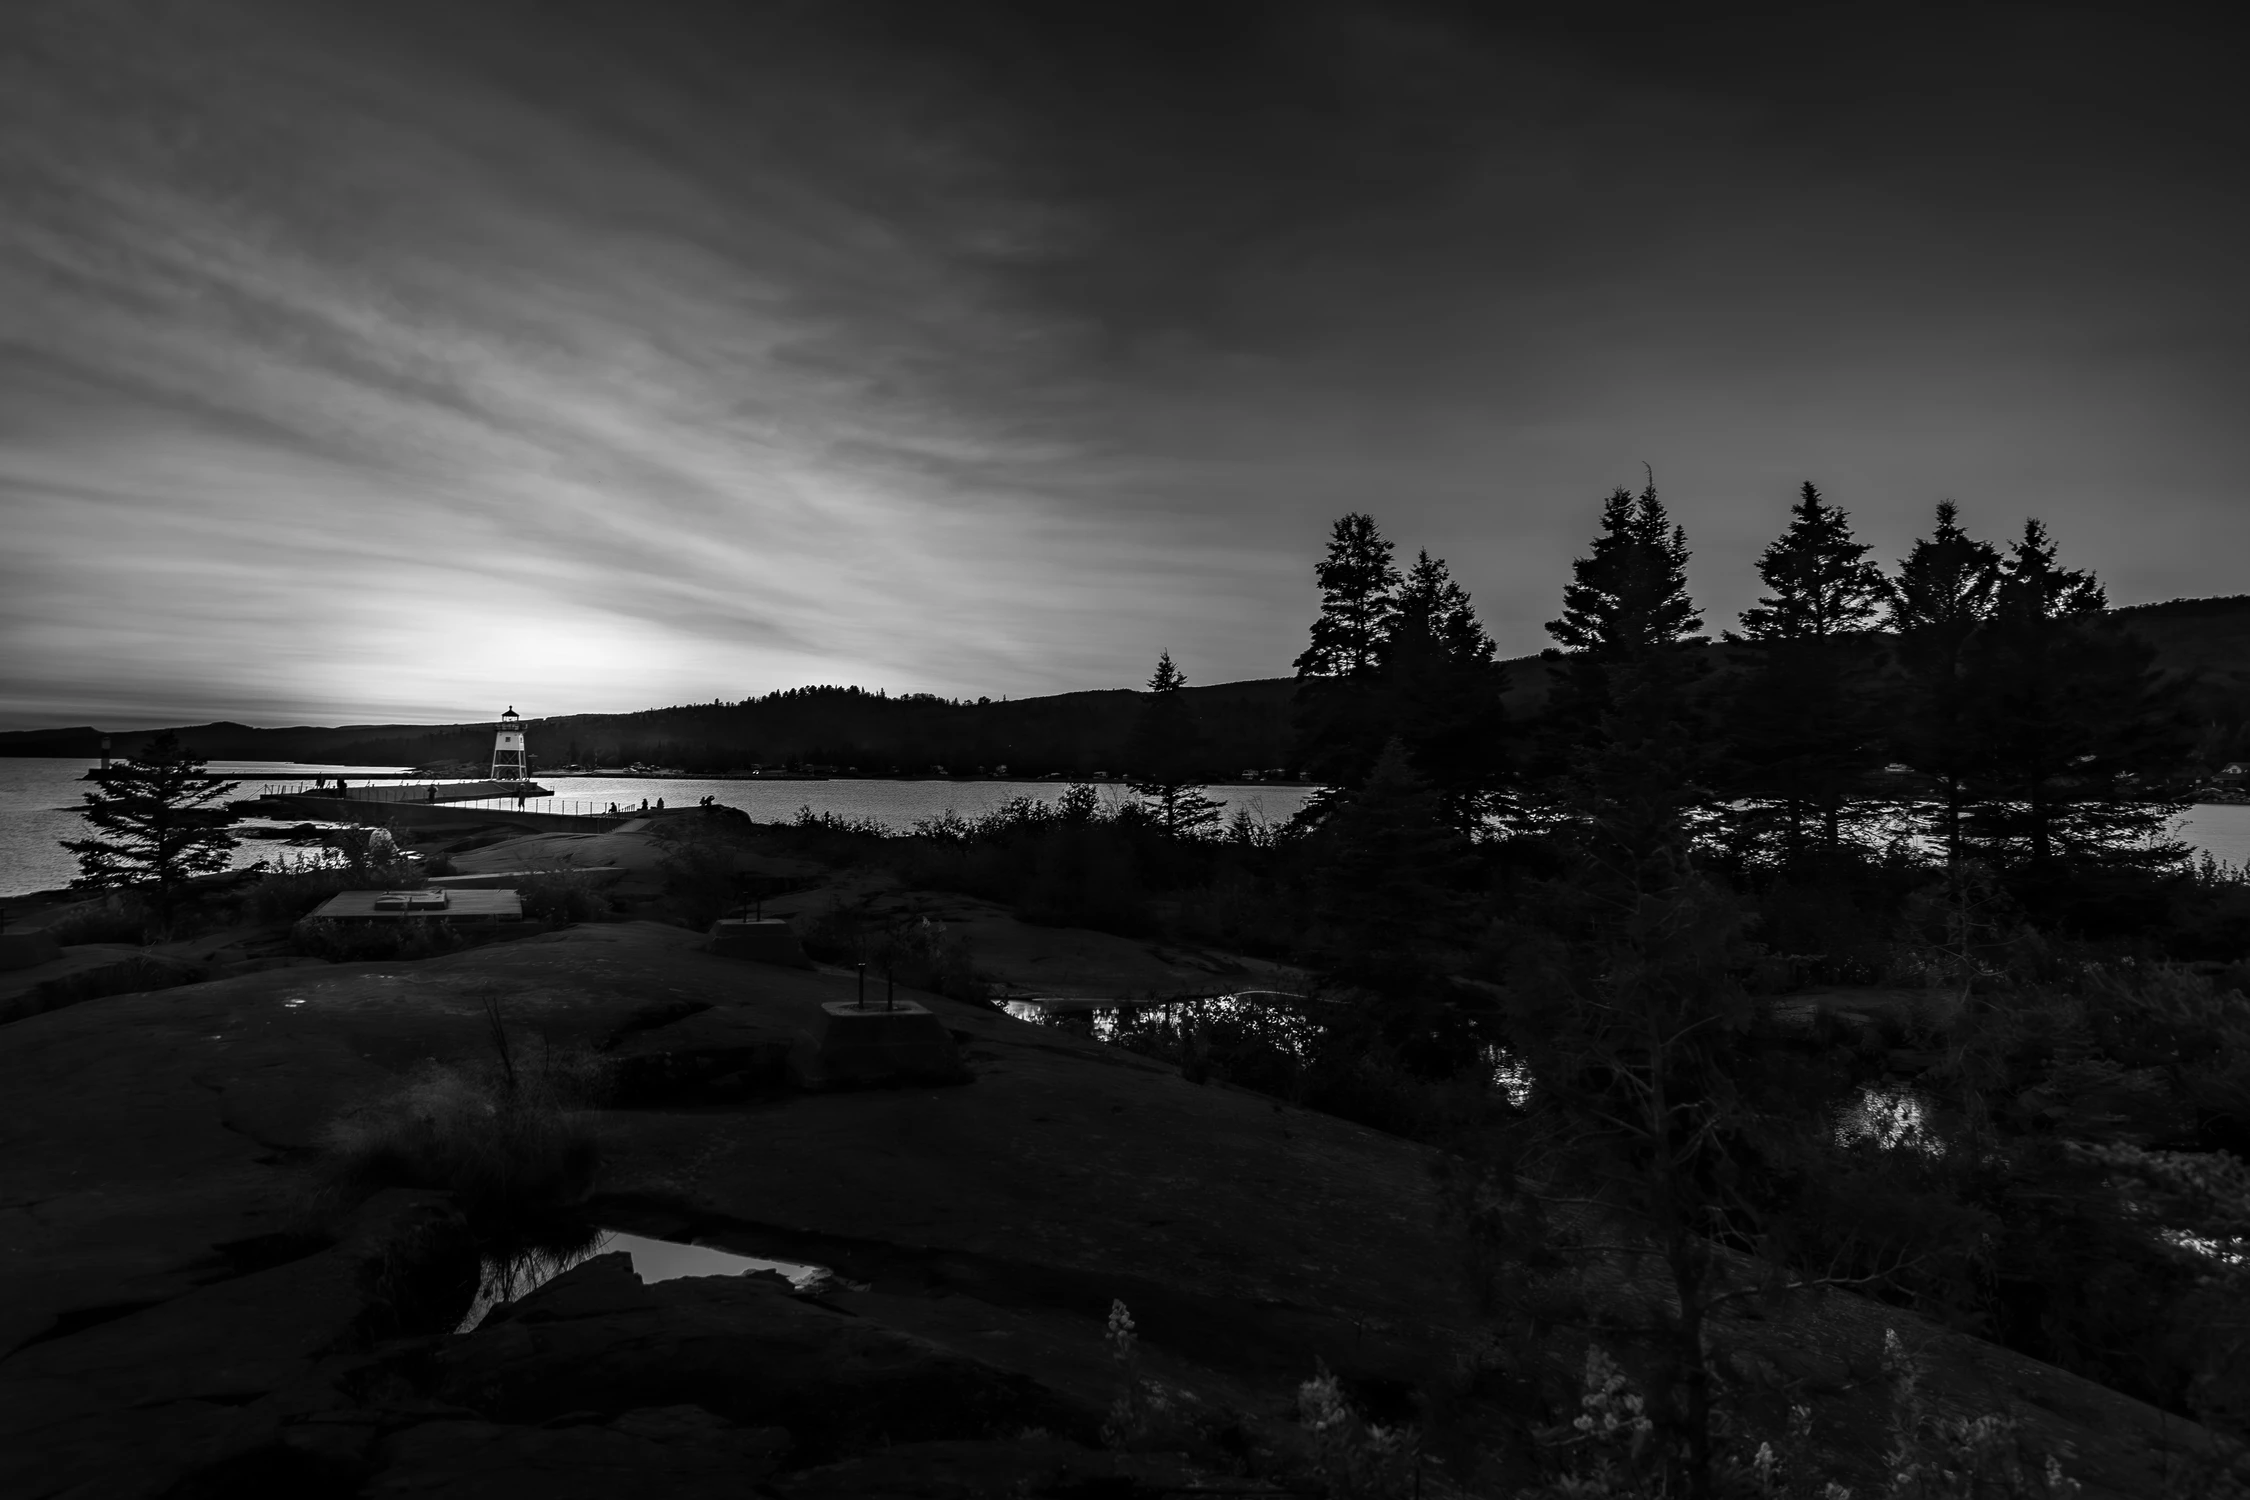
{"x": 678, "y": 1453}
{"x": 170, "y": 1326}
{"x": 748, "y": 1348}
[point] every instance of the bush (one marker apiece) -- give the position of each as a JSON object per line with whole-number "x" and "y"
{"x": 293, "y": 888}
{"x": 118, "y": 918}
{"x": 699, "y": 877}
{"x": 374, "y": 942}
{"x": 918, "y": 952}
{"x": 562, "y": 896}
{"x": 508, "y": 1136}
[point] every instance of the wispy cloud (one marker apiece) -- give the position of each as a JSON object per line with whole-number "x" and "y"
{"x": 366, "y": 363}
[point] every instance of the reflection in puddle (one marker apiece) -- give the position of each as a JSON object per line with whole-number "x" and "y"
{"x": 1277, "y": 1017}
{"x": 1890, "y": 1115}
{"x": 2225, "y": 1252}
{"x": 506, "y": 1280}
{"x": 1278, "y": 1013}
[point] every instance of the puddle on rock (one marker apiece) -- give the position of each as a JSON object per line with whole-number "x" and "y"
{"x": 505, "y": 1281}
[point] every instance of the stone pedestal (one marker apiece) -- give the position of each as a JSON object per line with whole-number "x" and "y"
{"x": 766, "y": 941}
{"x": 24, "y": 950}
{"x": 872, "y": 1046}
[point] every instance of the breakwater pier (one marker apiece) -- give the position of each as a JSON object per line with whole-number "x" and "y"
{"x": 537, "y": 814}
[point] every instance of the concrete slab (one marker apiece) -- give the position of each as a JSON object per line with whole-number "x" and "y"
{"x": 878, "y": 1044}
{"x": 443, "y": 905}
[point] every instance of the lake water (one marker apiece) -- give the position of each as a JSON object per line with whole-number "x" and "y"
{"x": 39, "y": 797}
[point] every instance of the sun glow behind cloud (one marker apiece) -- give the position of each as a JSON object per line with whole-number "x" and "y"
{"x": 513, "y": 451}
{"x": 393, "y": 362}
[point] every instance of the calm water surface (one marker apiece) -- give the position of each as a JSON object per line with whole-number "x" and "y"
{"x": 39, "y": 798}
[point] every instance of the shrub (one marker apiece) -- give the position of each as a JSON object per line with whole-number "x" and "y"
{"x": 1148, "y": 1415}
{"x": 919, "y": 952}
{"x": 562, "y": 896}
{"x": 374, "y": 942}
{"x": 117, "y": 918}
{"x": 699, "y": 876}
{"x": 508, "y": 1136}
{"x": 293, "y": 888}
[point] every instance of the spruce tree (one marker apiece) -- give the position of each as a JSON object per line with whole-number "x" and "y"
{"x": 1942, "y": 595}
{"x": 1628, "y": 596}
{"x": 2070, "y": 735}
{"x": 1390, "y": 871}
{"x": 1340, "y": 718}
{"x": 1626, "y": 616}
{"x": 1802, "y": 731}
{"x": 1165, "y": 757}
{"x": 1623, "y": 1000}
{"x": 155, "y": 824}
{"x": 1443, "y": 690}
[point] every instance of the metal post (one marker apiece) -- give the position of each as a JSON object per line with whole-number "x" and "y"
{"x": 890, "y": 989}
{"x": 862, "y": 984}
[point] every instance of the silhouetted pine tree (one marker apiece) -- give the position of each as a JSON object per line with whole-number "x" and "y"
{"x": 1803, "y": 731}
{"x": 1626, "y": 618}
{"x": 155, "y": 824}
{"x": 2071, "y": 737}
{"x": 1341, "y": 722}
{"x": 1943, "y": 594}
{"x": 1389, "y": 875}
{"x": 1622, "y": 996}
{"x": 1443, "y": 690}
{"x": 1165, "y": 757}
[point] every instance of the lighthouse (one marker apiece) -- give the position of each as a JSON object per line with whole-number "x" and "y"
{"x": 508, "y": 759}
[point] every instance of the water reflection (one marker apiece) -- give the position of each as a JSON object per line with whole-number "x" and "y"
{"x": 508, "y": 1278}
{"x": 1281, "y": 1019}
{"x": 1281, "y": 1015}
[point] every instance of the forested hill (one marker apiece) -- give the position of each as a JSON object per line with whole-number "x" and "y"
{"x": 1246, "y": 724}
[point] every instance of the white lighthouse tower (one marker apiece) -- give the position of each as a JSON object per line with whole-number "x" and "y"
{"x": 508, "y": 760}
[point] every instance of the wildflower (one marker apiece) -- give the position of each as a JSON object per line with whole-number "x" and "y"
{"x": 1120, "y": 1336}
{"x": 1320, "y": 1405}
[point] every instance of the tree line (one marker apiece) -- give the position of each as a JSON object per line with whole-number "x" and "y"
{"x": 1979, "y": 697}
{"x": 1951, "y": 778}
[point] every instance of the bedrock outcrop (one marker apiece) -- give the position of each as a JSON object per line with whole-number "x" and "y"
{"x": 183, "y": 1315}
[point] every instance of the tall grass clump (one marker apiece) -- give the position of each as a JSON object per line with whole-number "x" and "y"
{"x": 508, "y": 1134}
{"x": 117, "y": 918}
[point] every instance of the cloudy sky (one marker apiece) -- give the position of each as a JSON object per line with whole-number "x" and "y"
{"x": 400, "y": 361}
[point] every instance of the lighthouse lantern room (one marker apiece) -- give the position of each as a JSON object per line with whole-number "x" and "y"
{"x": 508, "y": 759}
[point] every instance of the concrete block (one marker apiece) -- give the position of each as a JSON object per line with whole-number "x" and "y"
{"x": 767, "y": 941}
{"x": 24, "y": 950}
{"x": 872, "y": 1046}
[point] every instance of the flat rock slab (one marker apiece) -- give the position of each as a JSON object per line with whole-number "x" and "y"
{"x": 748, "y": 1348}
{"x": 131, "y": 1405}
{"x": 1031, "y": 1466}
{"x": 680, "y": 1453}
{"x": 83, "y": 971}
{"x": 766, "y": 941}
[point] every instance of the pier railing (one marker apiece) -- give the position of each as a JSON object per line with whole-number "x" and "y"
{"x": 418, "y": 796}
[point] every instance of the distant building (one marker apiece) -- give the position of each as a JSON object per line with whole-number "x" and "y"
{"x": 508, "y": 760}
